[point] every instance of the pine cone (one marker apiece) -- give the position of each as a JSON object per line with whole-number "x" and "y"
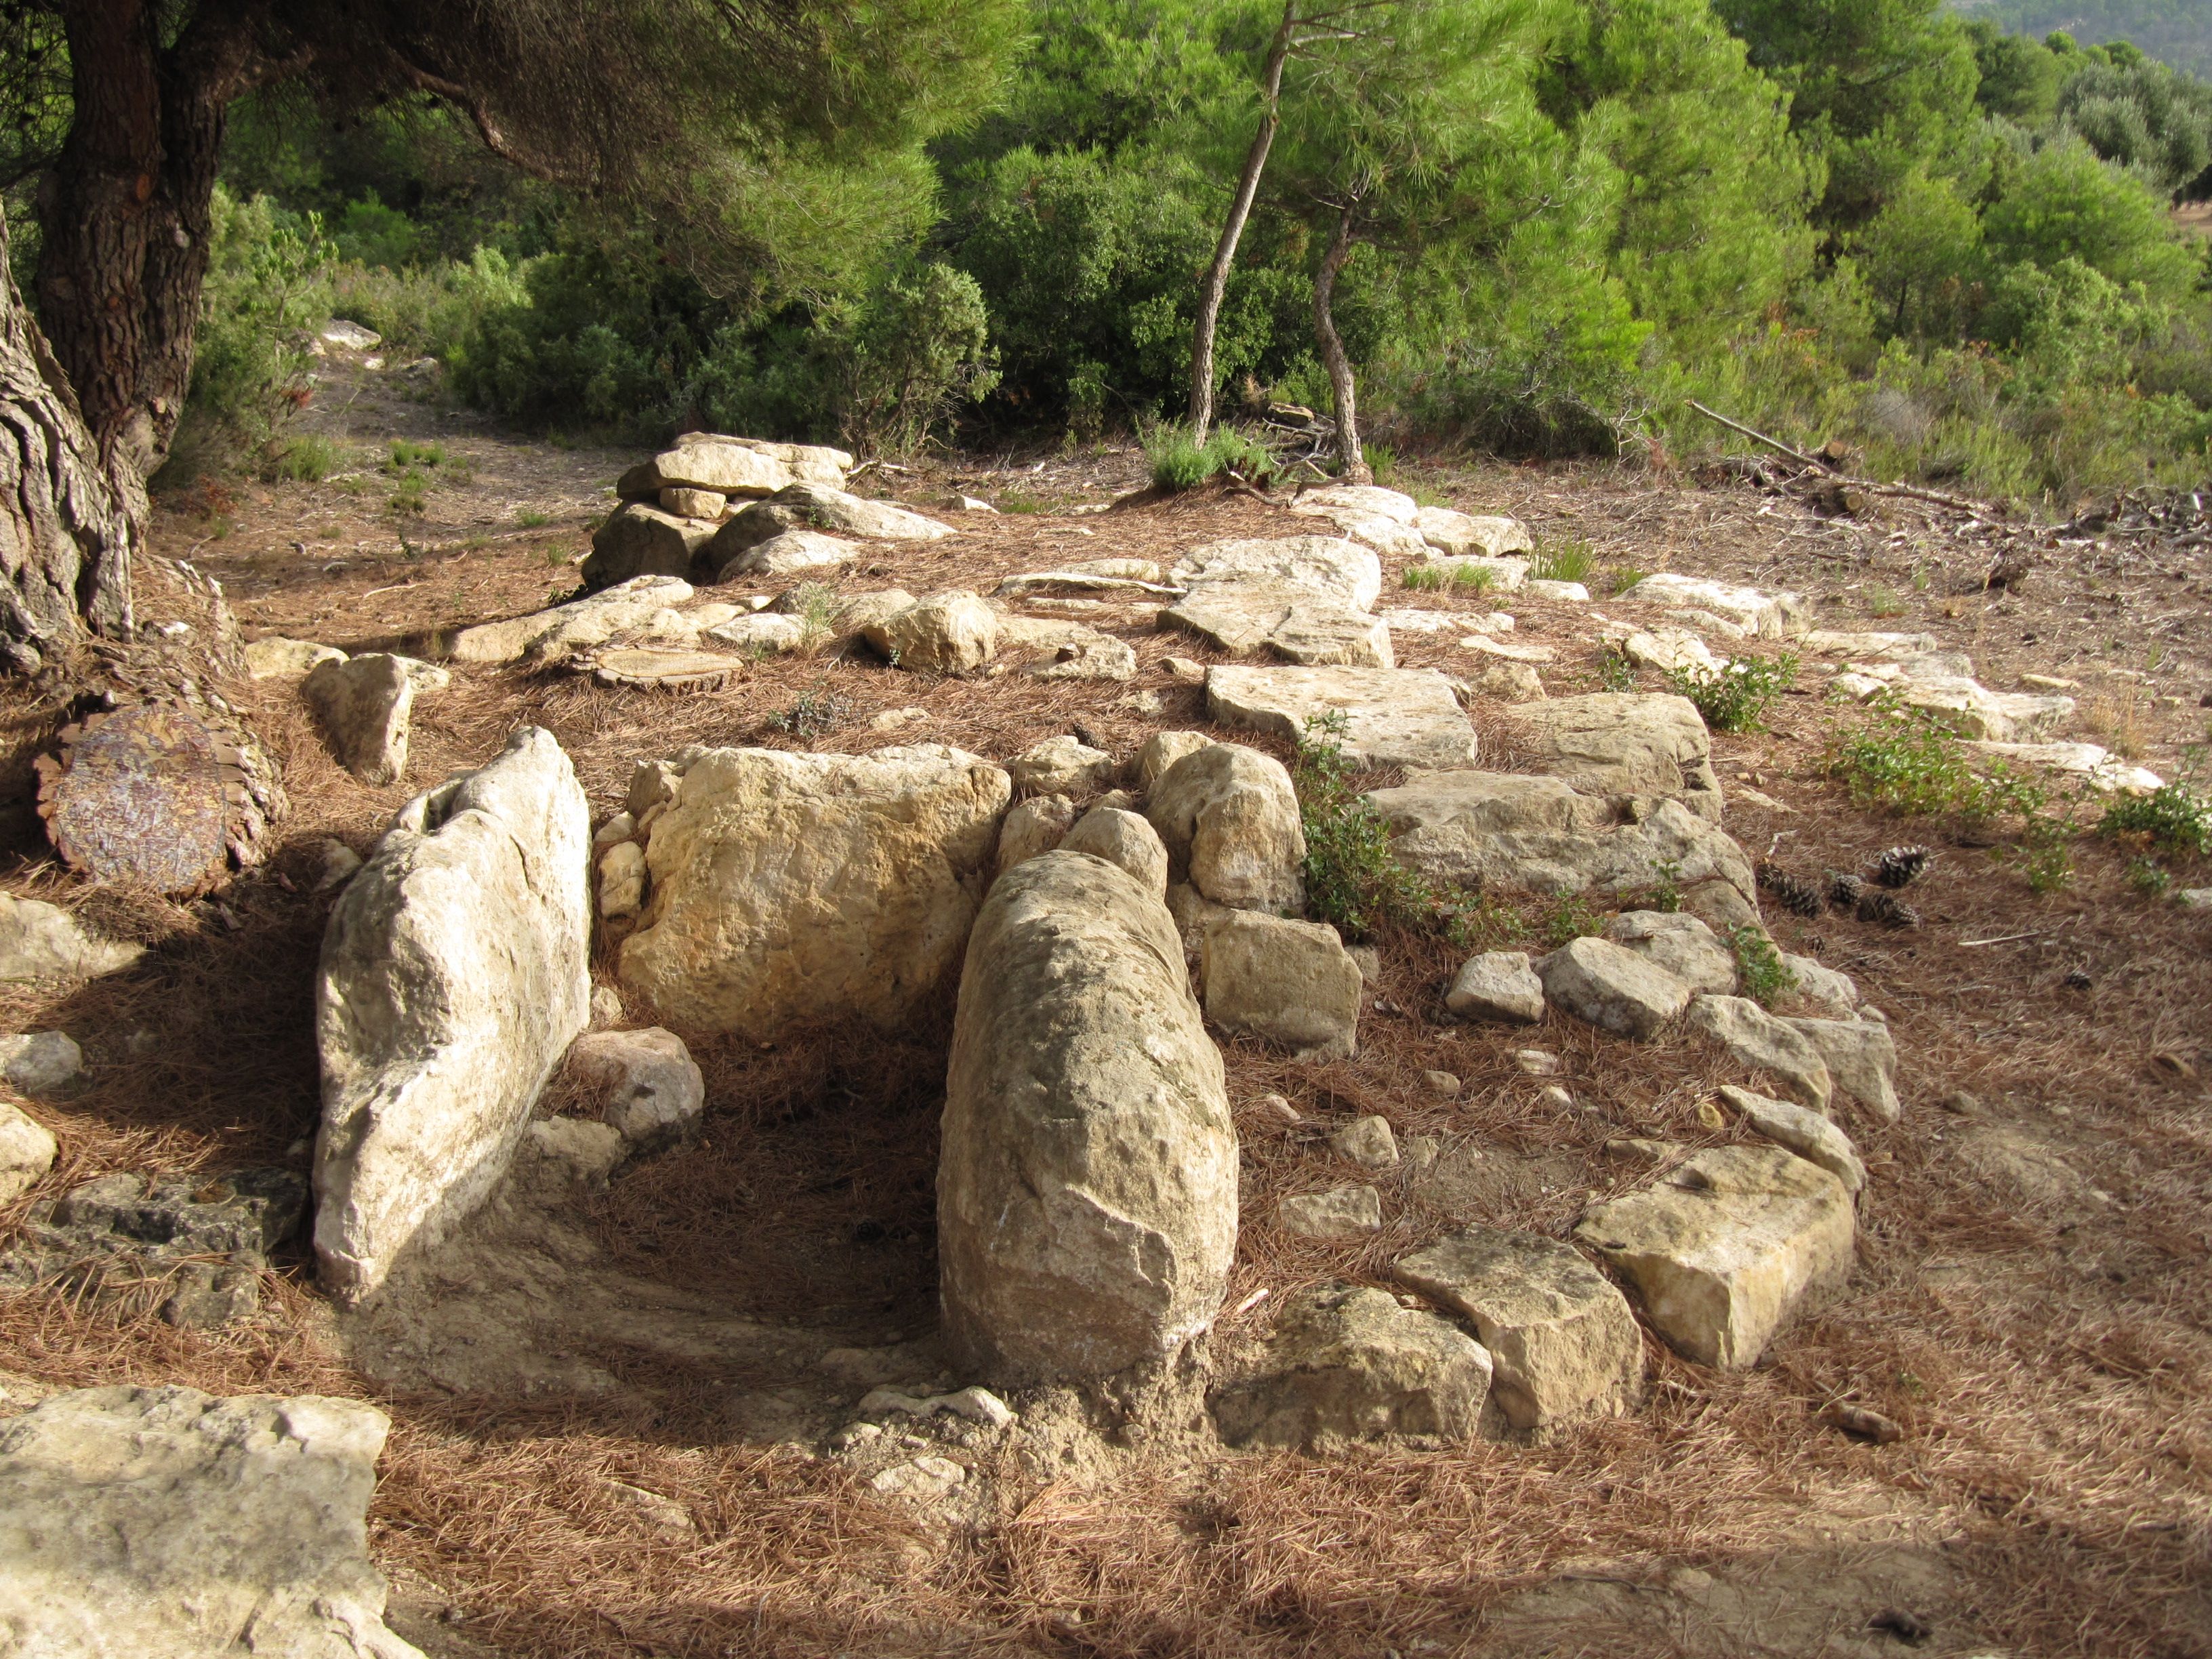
{"x": 1792, "y": 892}
{"x": 1888, "y": 909}
{"x": 1900, "y": 866}
{"x": 1844, "y": 891}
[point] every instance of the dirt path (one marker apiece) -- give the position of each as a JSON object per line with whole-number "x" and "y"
{"x": 2032, "y": 1301}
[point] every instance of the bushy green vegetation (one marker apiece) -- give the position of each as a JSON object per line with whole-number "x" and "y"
{"x": 1353, "y": 880}
{"x": 1875, "y": 220}
{"x": 1180, "y": 464}
{"x": 1734, "y": 696}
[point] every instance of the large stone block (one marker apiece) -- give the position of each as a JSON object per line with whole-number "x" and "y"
{"x": 166, "y": 1523}
{"x": 1087, "y": 1186}
{"x": 1725, "y": 1249}
{"x": 1292, "y": 983}
{"x": 1624, "y": 745}
{"x": 1563, "y": 1343}
{"x": 455, "y": 974}
{"x": 637, "y": 540}
{"x": 789, "y": 888}
{"x": 1615, "y": 990}
{"x": 1392, "y": 716}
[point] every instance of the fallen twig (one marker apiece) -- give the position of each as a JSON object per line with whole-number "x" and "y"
{"x": 1798, "y": 456}
{"x": 2007, "y": 938}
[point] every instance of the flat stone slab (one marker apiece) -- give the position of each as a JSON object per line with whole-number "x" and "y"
{"x": 1329, "y": 566}
{"x": 1563, "y": 1343}
{"x": 1770, "y": 616}
{"x": 592, "y": 620}
{"x": 666, "y": 671}
{"x": 1393, "y": 716}
{"x": 1624, "y": 744}
{"x": 2102, "y": 771}
{"x": 1294, "y": 623}
{"x": 1487, "y": 534}
{"x": 1724, "y": 1250}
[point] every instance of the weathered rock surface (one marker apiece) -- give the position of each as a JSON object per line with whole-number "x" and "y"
{"x": 1296, "y": 623}
{"x": 819, "y": 507}
{"x": 27, "y": 1151}
{"x": 1348, "y": 1363}
{"x": 1615, "y": 990}
{"x": 592, "y": 620}
{"x": 1861, "y": 1056}
{"x": 785, "y": 555}
{"x": 1339, "y": 1213}
{"x": 1770, "y": 616}
{"x": 365, "y": 705}
{"x": 649, "y": 1087}
{"x": 1489, "y": 535}
{"x": 1229, "y": 816}
{"x": 1087, "y": 1187}
{"x": 1085, "y": 655}
{"x": 948, "y": 633}
{"x": 1392, "y": 716}
{"x": 275, "y": 658}
{"x": 1124, "y": 839}
{"x": 1807, "y": 1134}
{"x": 1823, "y": 985}
{"x": 1725, "y": 1249}
{"x": 41, "y": 1062}
{"x": 1292, "y": 983}
{"x": 1338, "y": 570}
{"x": 1563, "y": 1343}
{"x": 637, "y": 540}
{"x": 793, "y": 887}
{"x": 2103, "y": 771}
{"x": 1756, "y": 1038}
{"x": 1498, "y": 985}
{"x": 710, "y": 460}
{"x": 454, "y": 975}
{"x": 684, "y": 502}
{"x": 1063, "y": 766}
{"x": 1368, "y": 1141}
{"x": 1510, "y": 832}
{"x": 1160, "y": 750}
{"x": 1624, "y": 745}
{"x": 40, "y": 941}
{"x": 1033, "y": 828}
{"x": 622, "y": 880}
{"x": 1681, "y": 944}
{"x": 166, "y": 1523}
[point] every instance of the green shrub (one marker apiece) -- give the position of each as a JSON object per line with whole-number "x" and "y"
{"x": 1571, "y": 917}
{"x": 1425, "y": 578}
{"x": 1353, "y": 880}
{"x": 1908, "y": 762}
{"x": 1760, "y": 972}
{"x": 1734, "y": 698}
{"x": 1179, "y": 464}
{"x": 308, "y": 458}
{"x": 2175, "y": 819}
{"x": 1568, "y": 559}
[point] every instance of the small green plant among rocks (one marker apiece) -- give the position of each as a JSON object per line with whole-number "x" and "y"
{"x": 1571, "y": 917}
{"x": 1908, "y": 762}
{"x": 1760, "y": 972}
{"x": 1353, "y": 880}
{"x": 2176, "y": 820}
{"x": 1180, "y": 464}
{"x": 1565, "y": 559}
{"x": 1614, "y": 670}
{"x": 816, "y": 712}
{"x": 1736, "y": 696}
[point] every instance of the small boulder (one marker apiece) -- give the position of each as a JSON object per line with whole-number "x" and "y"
{"x": 1861, "y": 1056}
{"x": 1348, "y": 1363}
{"x": 1808, "y": 1134}
{"x": 41, "y": 1062}
{"x": 949, "y": 633}
{"x": 1162, "y": 751}
{"x": 650, "y": 1089}
{"x": 1292, "y": 983}
{"x": 364, "y": 704}
{"x": 682, "y": 501}
{"x": 1228, "y": 816}
{"x": 1032, "y": 827}
{"x": 1613, "y": 988}
{"x": 1368, "y": 1142}
{"x": 1498, "y": 985}
{"x": 1833, "y": 990}
{"x": 622, "y": 880}
{"x": 1681, "y": 944}
{"x": 1756, "y": 1038}
{"x": 1063, "y": 766}
{"x": 1122, "y": 838}
{"x": 275, "y": 658}
{"x": 637, "y": 540}
{"x": 1624, "y": 745}
{"x": 1725, "y": 1249}
{"x": 786, "y": 555}
{"x": 28, "y": 1148}
{"x": 42, "y": 942}
{"x": 1563, "y": 1343}
{"x": 1341, "y": 1213}
{"x": 818, "y": 507}
{"x": 1448, "y": 531}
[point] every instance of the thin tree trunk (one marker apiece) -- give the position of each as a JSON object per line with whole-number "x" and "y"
{"x": 1352, "y": 464}
{"x": 68, "y": 523}
{"x": 126, "y": 209}
{"x": 1216, "y": 284}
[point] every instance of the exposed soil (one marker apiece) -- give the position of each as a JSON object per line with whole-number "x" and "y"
{"x": 2032, "y": 1300}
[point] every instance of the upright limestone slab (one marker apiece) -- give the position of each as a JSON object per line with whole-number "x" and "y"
{"x": 453, "y": 976}
{"x": 1086, "y": 1192}
{"x": 793, "y": 888}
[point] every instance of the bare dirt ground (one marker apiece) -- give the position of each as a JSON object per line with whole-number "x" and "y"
{"x": 2032, "y": 1300}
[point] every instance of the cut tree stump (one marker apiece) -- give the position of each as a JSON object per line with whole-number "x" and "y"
{"x": 150, "y": 795}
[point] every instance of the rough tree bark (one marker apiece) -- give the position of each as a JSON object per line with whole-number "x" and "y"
{"x": 68, "y": 523}
{"x": 126, "y": 208}
{"x": 1352, "y": 463}
{"x": 1216, "y": 282}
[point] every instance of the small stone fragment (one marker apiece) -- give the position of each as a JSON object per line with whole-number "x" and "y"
{"x": 28, "y": 1148}
{"x": 42, "y": 1062}
{"x": 1368, "y": 1142}
{"x": 622, "y": 880}
{"x": 1498, "y": 985}
{"x": 1613, "y": 988}
{"x": 1443, "y": 1085}
{"x": 1340, "y": 1212}
{"x": 650, "y": 1089}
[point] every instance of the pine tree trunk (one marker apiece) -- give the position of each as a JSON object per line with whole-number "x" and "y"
{"x": 1216, "y": 284}
{"x": 68, "y": 523}
{"x": 126, "y": 210}
{"x": 1352, "y": 464}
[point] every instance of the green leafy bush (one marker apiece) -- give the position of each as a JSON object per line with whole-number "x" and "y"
{"x": 1353, "y": 880}
{"x": 1760, "y": 972}
{"x": 1732, "y": 698}
{"x": 2175, "y": 819}
{"x": 1908, "y": 762}
{"x": 1179, "y": 464}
